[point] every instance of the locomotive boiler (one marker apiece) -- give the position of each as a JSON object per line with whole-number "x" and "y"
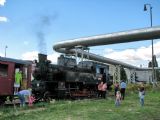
{"x": 67, "y": 79}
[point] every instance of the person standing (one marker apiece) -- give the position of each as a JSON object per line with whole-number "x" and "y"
{"x": 141, "y": 95}
{"x": 18, "y": 81}
{"x": 116, "y": 88}
{"x": 31, "y": 100}
{"x": 104, "y": 88}
{"x": 100, "y": 89}
{"x": 123, "y": 89}
{"x": 118, "y": 98}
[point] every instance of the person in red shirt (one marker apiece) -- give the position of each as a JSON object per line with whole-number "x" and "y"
{"x": 100, "y": 89}
{"x": 104, "y": 88}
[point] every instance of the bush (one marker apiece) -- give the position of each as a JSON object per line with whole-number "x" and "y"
{"x": 132, "y": 87}
{"x": 135, "y": 87}
{"x": 148, "y": 86}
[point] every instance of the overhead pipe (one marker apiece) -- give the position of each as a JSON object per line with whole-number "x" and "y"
{"x": 106, "y": 39}
{"x": 98, "y": 58}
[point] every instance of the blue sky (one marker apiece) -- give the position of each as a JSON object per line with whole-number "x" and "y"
{"x": 24, "y": 22}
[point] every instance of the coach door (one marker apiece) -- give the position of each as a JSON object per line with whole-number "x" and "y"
{"x": 6, "y": 78}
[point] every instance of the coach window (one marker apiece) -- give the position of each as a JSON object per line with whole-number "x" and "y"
{"x": 97, "y": 69}
{"x": 102, "y": 70}
{"x": 3, "y": 70}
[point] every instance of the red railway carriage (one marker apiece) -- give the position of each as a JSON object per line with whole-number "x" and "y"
{"x": 8, "y": 67}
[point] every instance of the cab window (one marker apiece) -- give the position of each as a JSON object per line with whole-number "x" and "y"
{"x": 3, "y": 70}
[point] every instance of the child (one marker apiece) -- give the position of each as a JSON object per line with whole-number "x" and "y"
{"x": 116, "y": 88}
{"x": 31, "y": 100}
{"x": 118, "y": 98}
{"x": 141, "y": 95}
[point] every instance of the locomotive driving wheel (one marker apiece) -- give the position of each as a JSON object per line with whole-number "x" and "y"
{"x": 2, "y": 100}
{"x": 47, "y": 96}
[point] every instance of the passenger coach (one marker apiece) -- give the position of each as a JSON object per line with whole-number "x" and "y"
{"x": 8, "y": 67}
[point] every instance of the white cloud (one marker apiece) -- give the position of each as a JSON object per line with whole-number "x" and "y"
{"x": 30, "y": 55}
{"x": 34, "y": 56}
{"x": 109, "y": 50}
{"x": 2, "y": 2}
{"x": 137, "y": 57}
{"x": 53, "y": 57}
{"x": 3, "y": 19}
{"x": 2, "y": 55}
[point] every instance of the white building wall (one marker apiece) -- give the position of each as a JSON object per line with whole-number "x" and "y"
{"x": 145, "y": 75}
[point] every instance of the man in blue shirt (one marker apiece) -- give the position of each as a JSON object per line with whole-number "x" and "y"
{"x": 22, "y": 95}
{"x": 123, "y": 88}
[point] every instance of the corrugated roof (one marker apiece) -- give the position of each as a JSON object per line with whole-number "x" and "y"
{"x": 25, "y": 62}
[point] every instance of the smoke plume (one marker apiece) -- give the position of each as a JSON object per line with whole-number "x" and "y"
{"x": 42, "y": 28}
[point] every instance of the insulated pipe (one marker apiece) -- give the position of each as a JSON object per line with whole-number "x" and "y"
{"x": 112, "y": 38}
{"x": 98, "y": 58}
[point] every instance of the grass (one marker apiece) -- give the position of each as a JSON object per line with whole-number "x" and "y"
{"x": 100, "y": 109}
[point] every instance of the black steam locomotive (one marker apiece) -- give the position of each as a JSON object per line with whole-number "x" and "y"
{"x": 67, "y": 79}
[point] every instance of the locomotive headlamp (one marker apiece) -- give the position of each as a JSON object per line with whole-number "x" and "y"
{"x": 37, "y": 84}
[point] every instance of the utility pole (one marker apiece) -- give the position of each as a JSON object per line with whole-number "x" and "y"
{"x": 145, "y": 9}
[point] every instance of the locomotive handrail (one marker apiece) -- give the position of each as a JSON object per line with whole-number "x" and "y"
{"x": 106, "y": 39}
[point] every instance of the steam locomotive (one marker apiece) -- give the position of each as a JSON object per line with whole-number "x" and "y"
{"x": 67, "y": 79}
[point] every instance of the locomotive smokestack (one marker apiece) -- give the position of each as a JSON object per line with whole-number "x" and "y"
{"x": 42, "y": 57}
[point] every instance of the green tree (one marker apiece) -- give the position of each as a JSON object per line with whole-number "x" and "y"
{"x": 155, "y": 64}
{"x": 123, "y": 75}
